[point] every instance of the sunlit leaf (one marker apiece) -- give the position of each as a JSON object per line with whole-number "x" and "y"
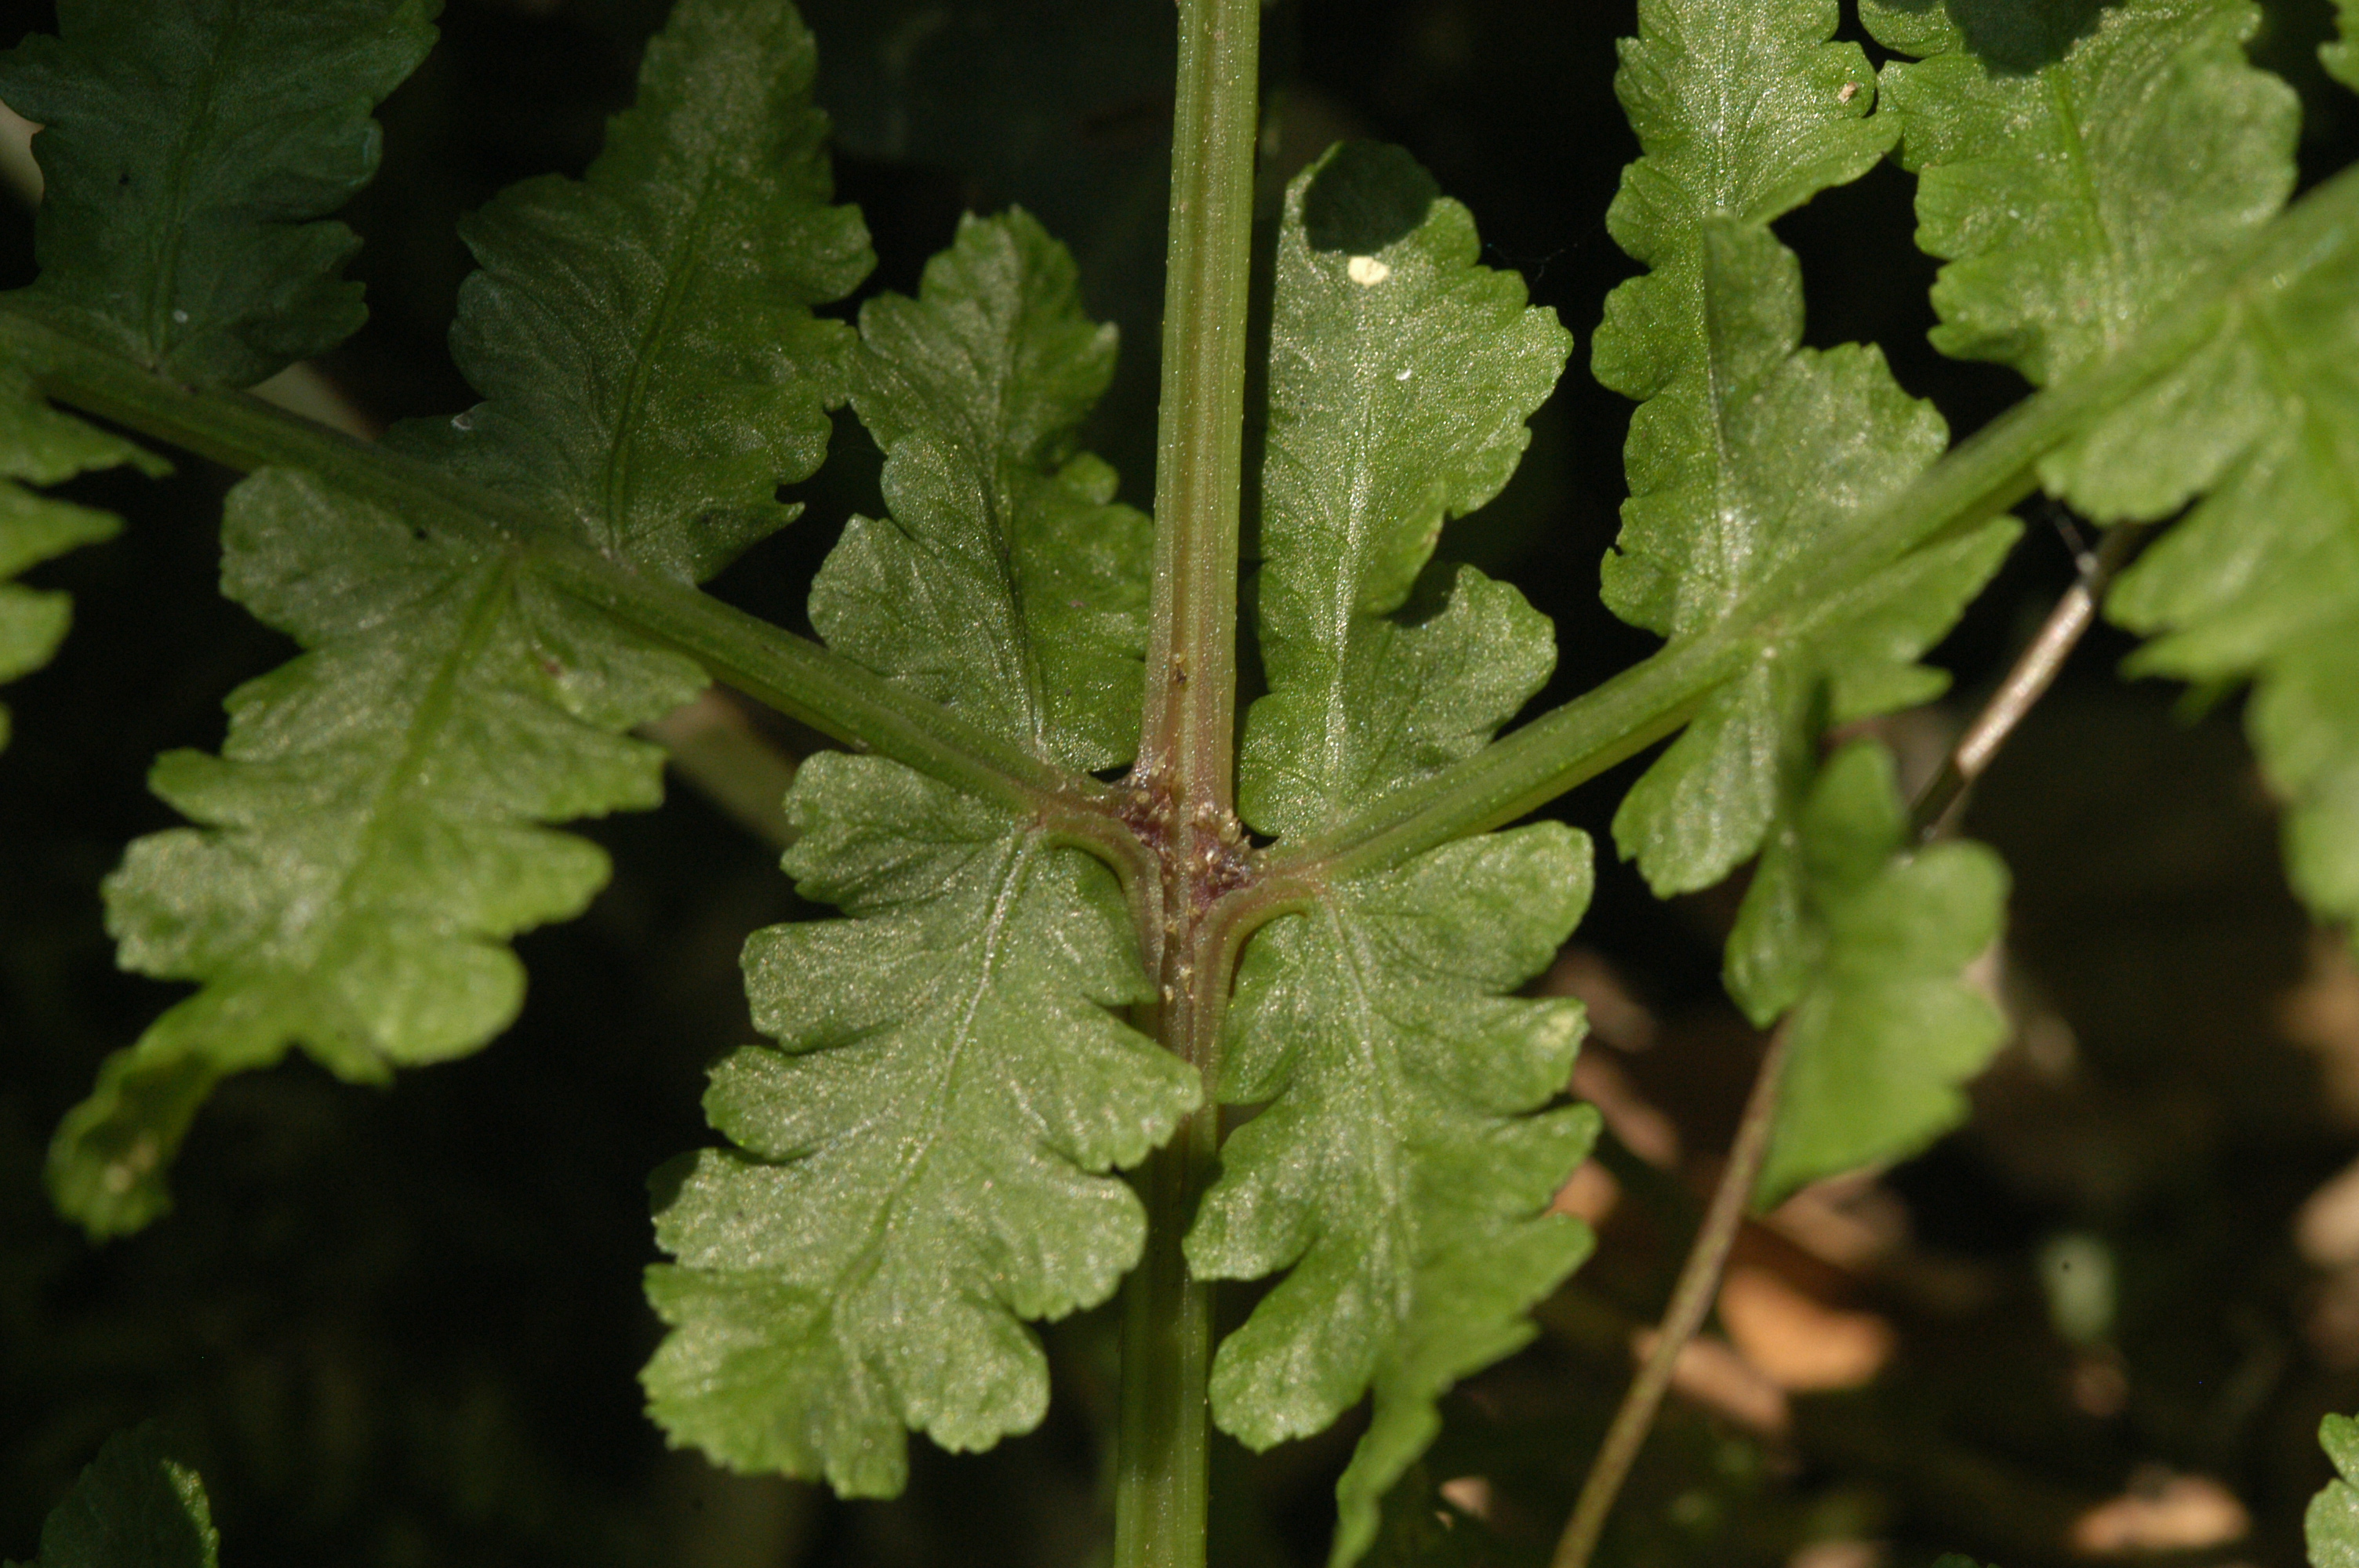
{"x": 1007, "y": 584}
{"x": 924, "y": 1161}
{"x": 1746, "y": 447}
{"x": 1401, "y": 1171}
{"x": 2078, "y": 164}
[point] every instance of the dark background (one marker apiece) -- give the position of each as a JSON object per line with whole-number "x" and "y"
{"x": 401, "y": 1327}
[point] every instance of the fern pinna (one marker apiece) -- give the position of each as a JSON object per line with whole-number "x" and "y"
{"x": 1083, "y": 903}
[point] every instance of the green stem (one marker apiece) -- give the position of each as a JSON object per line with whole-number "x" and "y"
{"x": 1164, "y": 1442}
{"x": 795, "y": 675}
{"x": 1191, "y": 646}
{"x": 1186, "y": 764}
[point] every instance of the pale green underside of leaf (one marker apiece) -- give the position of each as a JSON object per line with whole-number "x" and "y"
{"x": 368, "y": 837}
{"x": 1399, "y": 1172}
{"x": 926, "y": 1163}
{"x": 643, "y": 337}
{"x": 1748, "y": 447}
{"x": 1006, "y": 585}
{"x": 2073, "y": 199}
{"x": 1866, "y": 943}
{"x": 2332, "y": 1523}
{"x": 190, "y": 147}
{"x": 1401, "y": 374}
{"x": 133, "y": 1506}
{"x": 2342, "y": 56}
{"x": 39, "y": 445}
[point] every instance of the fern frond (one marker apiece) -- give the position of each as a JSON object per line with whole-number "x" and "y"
{"x": 923, "y": 1161}
{"x": 1402, "y": 1168}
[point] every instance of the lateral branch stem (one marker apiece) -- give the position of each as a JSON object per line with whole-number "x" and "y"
{"x": 2034, "y": 671}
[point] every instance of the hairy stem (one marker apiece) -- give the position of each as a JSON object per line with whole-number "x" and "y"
{"x": 1192, "y": 647}
{"x": 1183, "y": 781}
{"x": 1692, "y": 1299}
{"x": 1164, "y": 1442}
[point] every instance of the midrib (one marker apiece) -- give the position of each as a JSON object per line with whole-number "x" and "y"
{"x": 419, "y": 743}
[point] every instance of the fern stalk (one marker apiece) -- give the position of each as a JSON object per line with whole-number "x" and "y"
{"x": 1185, "y": 772}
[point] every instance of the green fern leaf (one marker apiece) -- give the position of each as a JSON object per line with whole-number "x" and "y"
{"x": 2261, "y": 580}
{"x": 924, "y": 1164}
{"x": 2261, "y": 406}
{"x": 1747, "y": 447}
{"x": 643, "y": 337}
{"x": 1007, "y": 584}
{"x": 925, "y": 1161}
{"x": 2077, "y": 165}
{"x": 133, "y": 1506}
{"x": 189, "y": 146}
{"x": 1401, "y": 1173}
{"x": 39, "y": 445}
{"x": 2331, "y": 1524}
{"x": 1398, "y": 1172}
{"x": 1401, "y": 375}
{"x": 1865, "y": 942}
{"x": 367, "y": 837}
{"x": 1798, "y": 440}
{"x": 2342, "y": 55}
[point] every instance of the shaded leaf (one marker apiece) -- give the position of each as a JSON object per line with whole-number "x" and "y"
{"x": 368, "y": 837}
{"x": 133, "y": 1506}
{"x": 39, "y": 445}
{"x": 2261, "y": 580}
{"x": 925, "y": 1161}
{"x": 2342, "y": 55}
{"x": 643, "y": 337}
{"x": 2075, "y": 174}
{"x": 1007, "y": 584}
{"x": 190, "y": 147}
{"x": 1865, "y": 941}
